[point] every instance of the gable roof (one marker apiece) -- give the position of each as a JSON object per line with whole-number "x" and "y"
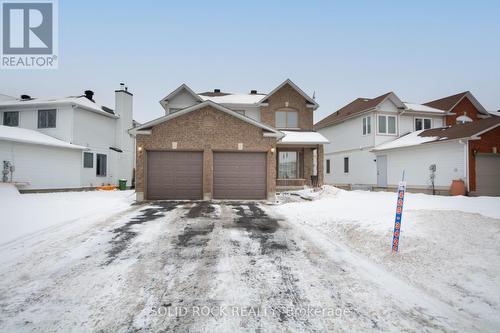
{"x": 455, "y": 132}
{"x": 295, "y": 87}
{"x": 232, "y": 98}
{"x": 219, "y": 107}
{"x": 178, "y": 90}
{"x": 449, "y": 102}
{"x": 356, "y": 107}
{"x": 24, "y": 135}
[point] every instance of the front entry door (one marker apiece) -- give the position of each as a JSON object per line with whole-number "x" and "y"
{"x": 382, "y": 171}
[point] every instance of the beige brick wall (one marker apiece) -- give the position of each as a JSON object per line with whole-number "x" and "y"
{"x": 206, "y": 130}
{"x": 287, "y": 97}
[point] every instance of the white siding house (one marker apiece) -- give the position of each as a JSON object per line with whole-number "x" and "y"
{"x": 92, "y": 144}
{"x": 356, "y": 129}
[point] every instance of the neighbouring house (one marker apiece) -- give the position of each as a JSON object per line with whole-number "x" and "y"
{"x": 373, "y": 140}
{"x": 66, "y": 143}
{"x": 219, "y": 145}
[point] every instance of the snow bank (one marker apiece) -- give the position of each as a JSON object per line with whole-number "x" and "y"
{"x": 449, "y": 246}
{"x": 23, "y": 214}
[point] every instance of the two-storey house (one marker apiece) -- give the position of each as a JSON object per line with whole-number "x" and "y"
{"x": 66, "y": 143}
{"x": 375, "y": 140}
{"x": 219, "y": 145}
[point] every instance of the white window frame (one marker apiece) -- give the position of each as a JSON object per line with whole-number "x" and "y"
{"x": 38, "y": 118}
{"x": 387, "y": 124}
{"x": 365, "y": 129}
{"x": 18, "y": 118}
{"x": 423, "y": 123}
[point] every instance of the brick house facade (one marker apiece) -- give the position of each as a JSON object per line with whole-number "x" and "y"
{"x": 212, "y": 128}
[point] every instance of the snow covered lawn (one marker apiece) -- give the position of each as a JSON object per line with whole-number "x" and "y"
{"x": 25, "y": 214}
{"x": 94, "y": 262}
{"x": 449, "y": 246}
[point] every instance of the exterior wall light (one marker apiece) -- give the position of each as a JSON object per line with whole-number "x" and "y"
{"x": 272, "y": 150}
{"x": 139, "y": 148}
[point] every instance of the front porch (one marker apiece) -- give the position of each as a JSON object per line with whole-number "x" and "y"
{"x": 299, "y": 166}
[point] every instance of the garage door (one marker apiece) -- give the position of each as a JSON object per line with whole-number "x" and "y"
{"x": 488, "y": 174}
{"x": 239, "y": 175}
{"x": 175, "y": 175}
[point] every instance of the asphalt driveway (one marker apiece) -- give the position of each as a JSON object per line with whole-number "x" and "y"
{"x": 195, "y": 266}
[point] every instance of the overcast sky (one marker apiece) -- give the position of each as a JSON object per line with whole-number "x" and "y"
{"x": 421, "y": 50}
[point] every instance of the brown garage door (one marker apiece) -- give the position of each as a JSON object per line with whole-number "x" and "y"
{"x": 175, "y": 175}
{"x": 239, "y": 175}
{"x": 488, "y": 174}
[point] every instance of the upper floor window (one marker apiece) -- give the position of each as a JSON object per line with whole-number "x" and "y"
{"x": 11, "y": 118}
{"x": 386, "y": 124}
{"x": 287, "y": 119}
{"x": 423, "y": 123}
{"x": 367, "y": 125}
{"x": 47, "y": 118}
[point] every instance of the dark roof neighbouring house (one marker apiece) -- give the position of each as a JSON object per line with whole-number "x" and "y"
{"x": 359, "y": 105}
{"x": 455, "y": 132}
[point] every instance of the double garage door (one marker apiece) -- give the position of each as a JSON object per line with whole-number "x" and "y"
{"x": 179, "y": 175}
{"x": 488, "y": 174}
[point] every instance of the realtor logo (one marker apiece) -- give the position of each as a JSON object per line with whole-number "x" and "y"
{"x": 29, "y": 34}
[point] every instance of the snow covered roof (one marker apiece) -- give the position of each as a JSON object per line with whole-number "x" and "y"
{"x": 24, "y": 135}
{"x": 4, "y": 97}
{"x": 458, "y": 131}
{"x": 234, "y": 98}
{"x": 80, "y": 101}
{"x": 146, "y": 126}
{"x": 298, "y": 137}
{"x": 422, "y": 108}
{"x": 410, "y": 139}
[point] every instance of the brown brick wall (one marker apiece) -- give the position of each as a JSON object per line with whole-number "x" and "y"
{"x": 466, "y": 106}
{"x": 207, "y": 129}
{"x": 280, "y": 99}
{"x": 485, "y": 145}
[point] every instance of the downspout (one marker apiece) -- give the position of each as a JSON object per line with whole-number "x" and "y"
{"x": 466, "y": 171}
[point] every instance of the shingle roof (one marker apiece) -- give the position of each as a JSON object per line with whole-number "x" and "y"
{"x": 466, "y": 130}
{"x": 458, "y": 131}
{"x": 357, "y": 106}
{"x": 446, "y": 103}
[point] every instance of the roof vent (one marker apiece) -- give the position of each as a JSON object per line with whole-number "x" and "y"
{"x": 89, "y": 94}
{"x": 25, "y": 97}
{"x": 253, "y": 92}
{"x": 216, "y": 90}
